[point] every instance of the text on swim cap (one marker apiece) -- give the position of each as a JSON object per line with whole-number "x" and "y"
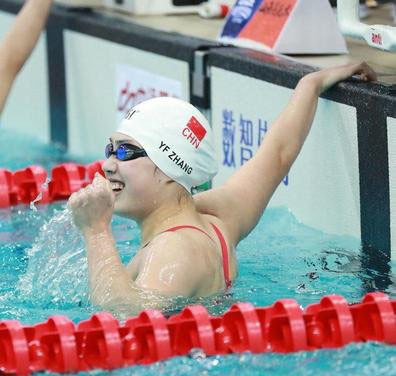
{"x": 130, "y": 113}
{"x": 175, "y": 158}
{"x": 194, "y": 132}
{"x": 190, "y": 137}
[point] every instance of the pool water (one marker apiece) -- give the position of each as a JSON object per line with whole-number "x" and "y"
{"x": 43, "y": 273}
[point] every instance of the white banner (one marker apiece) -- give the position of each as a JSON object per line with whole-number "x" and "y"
{"x": 134, "y": 86}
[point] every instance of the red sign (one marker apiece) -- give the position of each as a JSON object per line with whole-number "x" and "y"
{"x": 376, "y": 38}
{"x": 267, "y": 24}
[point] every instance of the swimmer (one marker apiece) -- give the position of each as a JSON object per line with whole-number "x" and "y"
{"x": 162, "y": 149}
{"x": 18, "y": 43}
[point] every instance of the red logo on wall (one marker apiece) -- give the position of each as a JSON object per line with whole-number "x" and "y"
{"x": 376, "y": 38}
{"x": 129, "y": 97}
{"x": 197, "y": 128}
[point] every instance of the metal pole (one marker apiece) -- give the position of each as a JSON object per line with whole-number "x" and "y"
{"x": 378, "y": 36}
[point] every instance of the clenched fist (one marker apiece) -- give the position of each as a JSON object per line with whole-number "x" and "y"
{"x": 92, "y": 207}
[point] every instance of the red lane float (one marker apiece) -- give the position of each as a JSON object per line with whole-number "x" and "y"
{"x": 329, "y": 323}
{"x": 8, "y": 193}
{"x": 193, "y": 328}
{"x": 29, "y": 183}
{"x": 22, "y": 187}
{"x": 285, "y": 327}
{"x": 102, "y": 343}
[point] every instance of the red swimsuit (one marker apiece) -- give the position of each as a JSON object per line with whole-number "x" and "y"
{"x": 224, "y": 248}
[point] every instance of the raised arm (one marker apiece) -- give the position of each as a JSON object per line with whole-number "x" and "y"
{"x": 19, "y": 42}
{"x": 240, "y": 202}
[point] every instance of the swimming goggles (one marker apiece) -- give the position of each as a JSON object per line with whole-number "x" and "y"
{"x": 125, "y": 152}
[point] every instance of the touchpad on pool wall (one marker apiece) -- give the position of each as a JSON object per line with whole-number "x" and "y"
{"x": 187, "y": 2}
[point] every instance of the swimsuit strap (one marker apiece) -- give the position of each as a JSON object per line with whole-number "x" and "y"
{"x": 224, "y": 248}
{"x": 173, "y": 229}
{"x": 224, "y": 251}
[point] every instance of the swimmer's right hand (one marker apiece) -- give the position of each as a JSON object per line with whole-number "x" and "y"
{"x": 92, "y": 207}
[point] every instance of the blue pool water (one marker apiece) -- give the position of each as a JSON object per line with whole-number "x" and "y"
{"x": 43, "y": 272}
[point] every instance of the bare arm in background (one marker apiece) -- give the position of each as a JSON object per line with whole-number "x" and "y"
{"x": 18, "y": 43}
{"x": 257, "y": 180}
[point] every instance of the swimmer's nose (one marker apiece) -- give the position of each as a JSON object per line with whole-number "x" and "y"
{"x": 110, "y": 166}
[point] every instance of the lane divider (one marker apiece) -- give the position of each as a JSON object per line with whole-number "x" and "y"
{"x": 59, "y": 345}
{"x": 22, "y": 187}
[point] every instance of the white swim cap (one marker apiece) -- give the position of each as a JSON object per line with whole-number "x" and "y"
{"x": 176, "y": 137}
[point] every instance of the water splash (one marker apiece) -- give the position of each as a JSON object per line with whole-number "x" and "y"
{"x": 56, "y": 274}
{"x": 197, "y": 354}
{"x": 40, "y": 195}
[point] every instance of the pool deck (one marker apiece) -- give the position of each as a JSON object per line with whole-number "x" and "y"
{"x": 383, "y": 62}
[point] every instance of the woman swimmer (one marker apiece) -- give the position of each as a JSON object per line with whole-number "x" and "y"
{"x": 19, "y": 42}
{"x": 162, "y": 149}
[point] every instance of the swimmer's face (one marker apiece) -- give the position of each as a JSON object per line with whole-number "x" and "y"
{"x": 133, "y": 181}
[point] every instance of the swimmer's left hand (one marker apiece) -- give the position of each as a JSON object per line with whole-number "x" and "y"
{"x": 92, "y": 207}
{"x": 326, "y": 78}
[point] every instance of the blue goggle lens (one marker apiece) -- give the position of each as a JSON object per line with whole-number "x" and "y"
{"x": 124, "y": 152}
{"x": 121, "y": 153}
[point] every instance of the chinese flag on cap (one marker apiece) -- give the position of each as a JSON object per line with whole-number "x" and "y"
{"x": 197, "y": 128}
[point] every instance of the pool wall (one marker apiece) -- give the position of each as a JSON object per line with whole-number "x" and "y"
{"x": 90, "y": 67}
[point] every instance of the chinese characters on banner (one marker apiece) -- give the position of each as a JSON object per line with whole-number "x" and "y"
{"x": 136, "y": 85}
{"x": 241, "y": 137}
